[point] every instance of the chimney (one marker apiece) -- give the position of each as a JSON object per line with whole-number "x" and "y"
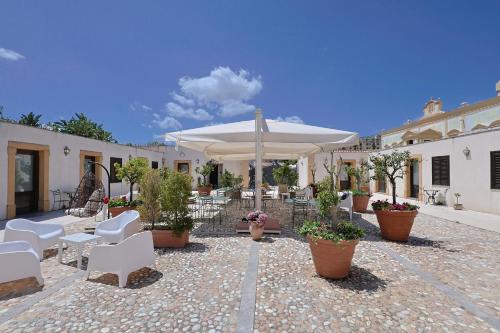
{"x": 498, "y": 88}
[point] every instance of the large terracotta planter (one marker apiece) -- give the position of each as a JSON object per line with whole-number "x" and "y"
{"x": 115, "y": 211}
{"x": 365, "y": 188}
{"x": 167, "y": 238}
{"x": 360, "y": 203}
{"x": 332, "y": 260}
{"x": 255, "y": 231}
{"x": 395, "y": 225}
{"x": 204, "y": 190}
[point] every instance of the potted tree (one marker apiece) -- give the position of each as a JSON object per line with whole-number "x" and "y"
{"x": 204, "y": 188}
{"x": 132, "y": 173}
{"x": 395, "y": 220}
{"x": 458, "y": 206}
{"x": 168, "y": 214}
{"x": 332, "y": 243}
{"x": 286, "y": 177}
{"x": 360, "y": 197}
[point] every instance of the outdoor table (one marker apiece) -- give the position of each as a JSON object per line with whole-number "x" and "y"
{"x": 78, "y": 240}
{"x": 283, "y": 195}
{"x": 431, "y": 195}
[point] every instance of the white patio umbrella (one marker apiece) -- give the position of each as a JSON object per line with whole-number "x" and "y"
{"x": 261, "y": 139}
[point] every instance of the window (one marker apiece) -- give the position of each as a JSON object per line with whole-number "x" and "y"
{"x": 112, "y": 171}
{"x": 154, "y": 164}
{"x": 183, "y": 167}
{"x": 495, "y": 169}
{"x": 441, "y": 170}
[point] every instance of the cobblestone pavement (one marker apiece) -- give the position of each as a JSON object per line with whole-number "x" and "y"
{"x": 199, "y": 288}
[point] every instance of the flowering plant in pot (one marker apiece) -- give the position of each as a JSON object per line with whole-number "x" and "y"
{"x": 332, "y": 246}
{"x": 256, "y": 220}
{"x": 204, "y": 186}
{"x": 360, "y": 197}
{"x": 165, "y": 209}
{"x": 395, "y": 220}
{"x": 118, "y": 206}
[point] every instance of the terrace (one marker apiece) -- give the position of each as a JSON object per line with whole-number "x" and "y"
{"x": 445, "y": 278}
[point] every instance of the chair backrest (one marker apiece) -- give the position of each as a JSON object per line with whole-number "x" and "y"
{"x": 136, "y": 248}
{"x": 127, "y": 217}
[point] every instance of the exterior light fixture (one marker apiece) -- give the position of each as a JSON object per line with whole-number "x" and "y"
{"x": 466, "y": 152}
{"x": 182, "y": 154}
{"x": 66, "y": 150}
{"x": 197, "y": 161}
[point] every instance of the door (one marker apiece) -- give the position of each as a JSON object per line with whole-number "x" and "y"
{"x": 381, "y": 185}
{"x": 414, "y": 179}
{"x": 214, "y": 175}
{"x": 345, "y": 180}
{"x": 89, "y": 164}
{"x": 26, "y": 182}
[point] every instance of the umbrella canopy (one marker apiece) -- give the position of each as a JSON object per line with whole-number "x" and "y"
{"x": 280, "y": 140}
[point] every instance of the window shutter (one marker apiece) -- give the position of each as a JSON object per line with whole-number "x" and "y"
{"x": 495, "y": 169}
{"x": 441, "y": 170}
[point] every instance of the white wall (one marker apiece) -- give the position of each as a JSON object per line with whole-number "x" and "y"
{"x": 186, "y": 154}
{"x": 64, "y": 171}
{"x": 470, "y": 177}
{"x": 319, "y": 159}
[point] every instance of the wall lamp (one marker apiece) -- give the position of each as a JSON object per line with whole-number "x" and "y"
{"x": 197, "y": 161}
{"x": 182, "y": 154}
{"x": 66, "y": 150}
{"x": 466, "y": 152}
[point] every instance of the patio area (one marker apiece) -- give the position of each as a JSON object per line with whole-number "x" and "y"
{"x": 444, "y": 279}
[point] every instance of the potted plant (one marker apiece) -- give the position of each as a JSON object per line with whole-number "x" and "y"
{"x": 286, "y": 177}
{"x": 204, "y": 188}
{"x": 131, "y": 172}
{"x": 360, "y": 198}
{"x": 174, "y": 222}
{"x": 458, "y": 206}
{"x": 395, "y": 220}
{"x": 332, "y": 247}
{"x": 118, "y": 206}
{"x": 256, "y": 222}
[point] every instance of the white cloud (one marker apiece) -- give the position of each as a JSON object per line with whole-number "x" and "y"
{"x": 165, "y": 123}
{"x": 223, "y": 90}
{"x": 10, "y": 54}
{"x": 138, "y": 106}
{"x": 291, "y": 119}
{"x": 176, "y": 110}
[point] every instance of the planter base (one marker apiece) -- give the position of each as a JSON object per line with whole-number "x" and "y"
{"x": 395, "y": 225}
{"x": 115, "y": 211}
{"x": 332, "y": 260}
{"x": 360, "y": 203}
{"x": 167, "y": 238}
{"x": 272, "y": 226}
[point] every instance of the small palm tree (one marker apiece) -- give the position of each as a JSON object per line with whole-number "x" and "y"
{"x": 30, "y": 119}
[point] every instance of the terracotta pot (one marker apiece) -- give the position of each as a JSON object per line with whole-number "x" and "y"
{"x": 360, "y": 203}
{"x": 204, "y": 190}
{"x": 236, "y": 194}
{"x": 395, "y": 225}
{"x": 255, "y": 231}
{"x": 167, "y": 238}
{"x": 458, "y": 206}
{"x": 332, "y": 260}
{"x": 282, "y": 188}
{"x": 365, "y": 188}
{"x": 115, "y": 211}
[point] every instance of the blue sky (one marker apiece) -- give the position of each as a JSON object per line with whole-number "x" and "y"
{"x": 147, "y": 67}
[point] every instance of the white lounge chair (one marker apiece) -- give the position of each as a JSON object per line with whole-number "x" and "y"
{"x": 19, "y": 261}
{"x": 120, "y": 227}
{"x": 40, "y": 235}
{"x": 123, "y": 258}
{"x": 346, "y": 204}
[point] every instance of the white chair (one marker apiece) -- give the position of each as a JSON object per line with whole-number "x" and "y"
{"x": 19, "y": 261}
{"x": 346, "y": 204}
{"x": 120, "y": 227}
{"x": 123, "y": 258}
{"x": 40, "y": 235}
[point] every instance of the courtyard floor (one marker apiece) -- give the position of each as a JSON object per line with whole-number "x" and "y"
{"x": 446, "y": 278}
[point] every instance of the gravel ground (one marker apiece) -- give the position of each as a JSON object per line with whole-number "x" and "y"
{"x": 199, "y": 288}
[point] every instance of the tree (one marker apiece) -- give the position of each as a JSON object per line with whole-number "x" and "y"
{"x": 151, "y": 189}
{"x": 81, "y": 125}
{"x": 132, "y": 172}
{"x": 332, "y": 171}
{"x": 30, "y": 119}
{"x": 391, "y": 166}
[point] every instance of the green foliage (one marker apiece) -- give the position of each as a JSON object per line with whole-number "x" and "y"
{"x": 390, "y": 166}
{"x": 228, "y": 179}
{"x": 132, "y": 171}
{"x": 360, "y": 174}
{"x": 344, "y": 230}
{"x": 30, "y": 119}
{"x": 83, "y": 126}
{"x": 122, "y": 202}
{"x": 326, "y": 199}
{"x": 151, "y": 186}
{"x": 174, "y": 200}
{"x": 333, "y": 174}
{"x": 285, "y": 174}
{"x": 359, "y": 193}
{"x": 205, "y": 172}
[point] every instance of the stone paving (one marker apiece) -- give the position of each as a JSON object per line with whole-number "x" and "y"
{"x": 199, "y": 288}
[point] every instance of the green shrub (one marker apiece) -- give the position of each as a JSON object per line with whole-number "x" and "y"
{"x": 344, "y": 230}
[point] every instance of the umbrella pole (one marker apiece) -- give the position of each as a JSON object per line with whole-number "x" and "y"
{"x": 258, "y": 159}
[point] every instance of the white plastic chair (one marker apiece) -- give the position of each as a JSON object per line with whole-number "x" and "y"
{"x": 40, "y": 235}
{"x": 123, "y": 258}
{"x": 346, "y": 204}
{"x": 19, "y": 261}
{"x": 120, "y": 227}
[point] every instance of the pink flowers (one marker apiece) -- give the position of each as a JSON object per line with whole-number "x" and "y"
{"x": 385, "y": 205}
{"x": 258, "y": 217}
